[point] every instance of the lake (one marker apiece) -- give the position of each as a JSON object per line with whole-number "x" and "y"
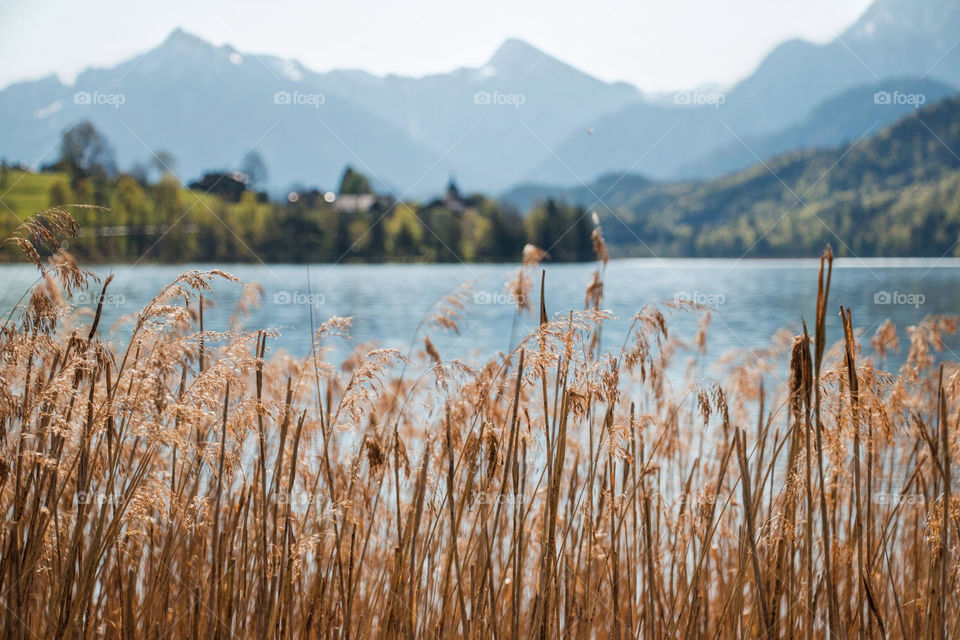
{"x": 751, "y": 299}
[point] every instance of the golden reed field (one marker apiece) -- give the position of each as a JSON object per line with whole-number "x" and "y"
{"x": 189, "y": 485}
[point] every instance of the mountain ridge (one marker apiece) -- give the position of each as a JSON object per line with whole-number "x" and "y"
{"x": 521, "y": 116}
{"x": 436, "y": 120}
{"x": 783, "y": 89}
{"x": 893, "y": 193}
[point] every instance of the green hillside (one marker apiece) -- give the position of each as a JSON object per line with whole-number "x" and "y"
{"x": 23, "y": 193}
{"x": 894, "y": 194}
{"x": 132, "y": 220}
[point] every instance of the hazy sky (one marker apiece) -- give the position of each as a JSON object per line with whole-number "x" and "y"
{"x": 657, "y": 45}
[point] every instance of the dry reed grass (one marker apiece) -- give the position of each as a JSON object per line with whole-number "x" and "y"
{"x": 187, "y": 486}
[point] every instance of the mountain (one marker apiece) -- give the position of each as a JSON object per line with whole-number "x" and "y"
{"x": 610, "y": 190}
{"x": 208, "y": 105}
{"x": 896, "y": 193}
{"x": 522, "y": 116}
{"x": 893, "y": 39}
{"x": 492, "y": 123}
{"x": 647, "y": 138}
{"x": 844, "y": 118}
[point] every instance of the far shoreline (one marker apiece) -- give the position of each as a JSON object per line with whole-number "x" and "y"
{"x": 916, "y": 262}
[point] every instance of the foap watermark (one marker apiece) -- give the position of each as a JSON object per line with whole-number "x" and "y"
{"x": 299, "y": 297}
{"x": 705, "y": 298}
{"x": 898, "y": 98}
{"x": 699, "y": 98}
{"x": 297, "y": 98}
{"x": 295, "y": 499}
{"x": 98, "y": 98}
{"x": 899, "y": 298}
{"x": 300, "y": 501}
{"x": 109, "y": 299}
{"x": 895, "y": 499}
{"x": 98, "y": 499}
{"x": 497, "y": 98}
{"x": 690, "y": 499}
{"x": 492, "y": 499}
{"x": 496, "y": 297}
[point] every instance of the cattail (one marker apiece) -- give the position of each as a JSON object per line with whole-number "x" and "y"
{"x": 599, "y": 244}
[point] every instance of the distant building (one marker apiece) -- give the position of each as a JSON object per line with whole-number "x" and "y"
{"x": 229, "y": 186}
{"x": 355, "y": 202}
{"x": 452, "y": 200}
{"x": 308, "y": 197}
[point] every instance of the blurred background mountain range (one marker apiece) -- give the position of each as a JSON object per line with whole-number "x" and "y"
{"x": 522, "y": 118}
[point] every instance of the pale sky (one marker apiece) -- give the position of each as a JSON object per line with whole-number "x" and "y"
{"x": 656, "y": 45}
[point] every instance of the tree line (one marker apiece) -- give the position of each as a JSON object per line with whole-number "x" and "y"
{"x": 223, "y": 218}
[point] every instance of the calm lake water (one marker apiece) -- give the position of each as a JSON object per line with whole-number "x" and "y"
{"x": 751, "y": 298}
